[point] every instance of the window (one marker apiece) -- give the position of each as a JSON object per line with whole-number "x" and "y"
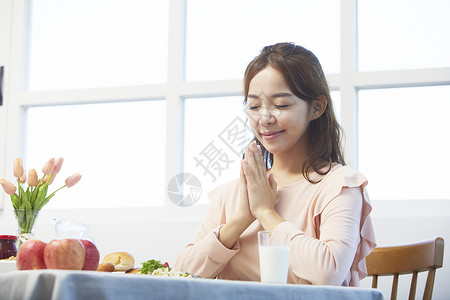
{"x": 155, "y": 83}
{"x": 101, "y": 43}
{"x": 403, "y": 138}
{"x": 223, "y": 36}
{"x": 215, "y": 135}
{"x": 408, "y": 35}
{"x": 401, "y": 123}
{"x": 119, "y": 148}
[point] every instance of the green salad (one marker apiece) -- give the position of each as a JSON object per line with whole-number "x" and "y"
{"x": 155, "y": 267}
{"x": 150, "y": 266}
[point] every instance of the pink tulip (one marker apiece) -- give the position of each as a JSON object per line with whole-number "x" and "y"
{"x": 45, "y": 179}
{"x": 72, "y": 180}
{"x": 18, "y": 168}
{"x": 47, "y": 169}
{"x": 8, "y": 186}
{"x": 58, "y": 164}
{"x": 23, "y": 179}
{"x": 32, "y": 178}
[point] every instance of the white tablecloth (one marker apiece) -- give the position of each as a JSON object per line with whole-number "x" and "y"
{"x": 67, "y": 285}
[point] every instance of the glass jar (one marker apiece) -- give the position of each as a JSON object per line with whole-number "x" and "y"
{"x": 8, "y": 246}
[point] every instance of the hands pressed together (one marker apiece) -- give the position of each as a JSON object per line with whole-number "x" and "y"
{"x": 258, "y": 191}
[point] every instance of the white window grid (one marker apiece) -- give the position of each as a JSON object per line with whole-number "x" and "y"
{"x": 13, "y": 37}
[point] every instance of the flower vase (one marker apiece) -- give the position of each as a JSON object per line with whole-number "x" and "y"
{"x": 26, "y": 220}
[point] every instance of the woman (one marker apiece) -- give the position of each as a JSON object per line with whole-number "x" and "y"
{"x": 293, "y": 178}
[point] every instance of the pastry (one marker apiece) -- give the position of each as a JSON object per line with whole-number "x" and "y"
{"x": 122, "y": 261}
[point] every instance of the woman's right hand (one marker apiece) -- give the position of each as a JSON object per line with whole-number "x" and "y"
{"x": 241, "y": 220}
{"x": 244, "y": 206}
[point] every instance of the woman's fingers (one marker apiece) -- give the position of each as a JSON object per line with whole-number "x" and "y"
{"x": 250, "y": 168}
{"x": 244, "y": 206}
{"x": 249, "y": 159}
{"x": 243, "y": 182}
{"x": 257, "y": 154}
{"x": 242, "y": 177}
{"x": 255, "y": 161}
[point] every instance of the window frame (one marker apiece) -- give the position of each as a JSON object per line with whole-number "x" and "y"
{"x": 349, "y": 81}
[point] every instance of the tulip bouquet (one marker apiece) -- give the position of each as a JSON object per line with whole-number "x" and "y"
{"x": 28, "y": 201}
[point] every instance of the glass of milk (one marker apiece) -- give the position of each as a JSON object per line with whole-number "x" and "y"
{"x": 273, "y": 256}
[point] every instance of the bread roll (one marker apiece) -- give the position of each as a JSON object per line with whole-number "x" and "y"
{"x": 122, "y": 261}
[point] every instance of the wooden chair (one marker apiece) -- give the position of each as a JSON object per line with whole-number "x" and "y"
{"x": 407, "y": 259}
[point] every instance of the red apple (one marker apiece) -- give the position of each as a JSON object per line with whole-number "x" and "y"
{"x": 92, "y": 256}
{"x": 31, "y": 255}
{"x": 67, "y": 254}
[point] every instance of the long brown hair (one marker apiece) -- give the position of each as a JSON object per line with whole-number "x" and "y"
{"x": 304, "y": 76}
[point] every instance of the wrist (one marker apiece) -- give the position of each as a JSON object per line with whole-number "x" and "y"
{"x": 232, "y": 230}
{"x": 244, "y": 220}
{"x": 264, "y": 213}
{"x": 269, "y": 219}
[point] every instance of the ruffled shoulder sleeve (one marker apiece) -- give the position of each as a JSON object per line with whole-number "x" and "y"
{"x": 334, "y": 182}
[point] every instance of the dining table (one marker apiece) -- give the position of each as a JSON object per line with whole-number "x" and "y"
{"x": 68, "y": 285}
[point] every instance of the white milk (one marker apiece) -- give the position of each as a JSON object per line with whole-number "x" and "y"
{"x": 274, "y": 263}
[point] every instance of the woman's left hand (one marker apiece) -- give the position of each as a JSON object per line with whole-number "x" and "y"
{"x": 262, "y": 189}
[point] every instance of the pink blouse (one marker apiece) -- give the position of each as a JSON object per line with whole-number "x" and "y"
{"x": 331, "y": 232}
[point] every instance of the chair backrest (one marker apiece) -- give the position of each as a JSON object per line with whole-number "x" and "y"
{"x": 411, "y": 258}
